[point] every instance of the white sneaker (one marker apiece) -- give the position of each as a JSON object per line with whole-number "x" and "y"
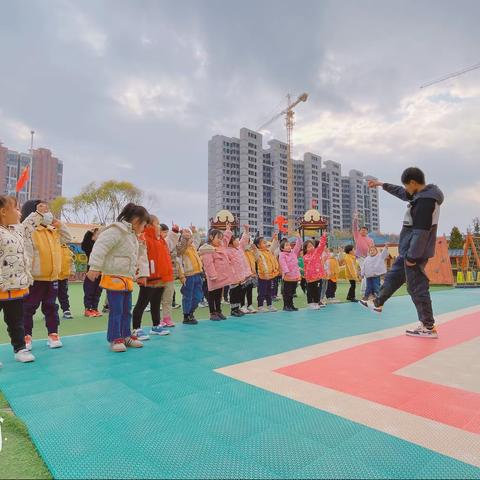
{"x": 244, "y": 309}
{"x": 24, "y": 356}
{"x": 263, "y": 309}
{"x": 271, "y": 308}
{"x": 370, "y": 305}
{"x": 140, "y": 334}
{"x": 422, "y": 332}
{"x": 322, "y": 305}
{"x": 148, "y": 308}
{"x": 251, "y": 309}
{"x": 118, "y": 346}
{"x": 314, "y": 306}
{"x": 133, "y": 342}
{"x": 54, "y": 341}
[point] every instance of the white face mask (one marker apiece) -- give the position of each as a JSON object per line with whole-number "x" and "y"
{"x": 47, "y": 218}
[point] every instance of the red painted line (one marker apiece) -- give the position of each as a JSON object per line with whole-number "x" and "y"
{"x": 368, "y": 371}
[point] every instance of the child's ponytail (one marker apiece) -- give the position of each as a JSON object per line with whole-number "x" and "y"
{"x": 131, "y": 211}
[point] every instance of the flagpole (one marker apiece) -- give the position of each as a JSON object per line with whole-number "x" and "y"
{"x": 29, "y": 195}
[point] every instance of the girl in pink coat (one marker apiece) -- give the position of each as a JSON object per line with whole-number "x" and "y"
{"x": 314, "y": 271}
{"x": 218, "y": 269}
{"x": 288, "y": 260}
{"x": 241, "y": 270}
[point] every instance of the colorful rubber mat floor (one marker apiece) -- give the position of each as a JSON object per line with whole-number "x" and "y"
{"x": 336, "y": 393}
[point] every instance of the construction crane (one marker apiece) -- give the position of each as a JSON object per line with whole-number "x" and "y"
{"x": 289, "y": 123}
{"x": 451, "y": 75}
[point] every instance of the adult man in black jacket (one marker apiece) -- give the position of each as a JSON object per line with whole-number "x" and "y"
{"x": 416, "y": 246}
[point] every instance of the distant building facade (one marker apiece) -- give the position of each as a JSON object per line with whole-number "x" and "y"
{"x": 46, "y": 174}
{"x": 251, "y": 182}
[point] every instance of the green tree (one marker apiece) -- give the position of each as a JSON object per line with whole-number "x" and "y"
{"x": 456, "y": 238}
{"x": 476, "y": 226}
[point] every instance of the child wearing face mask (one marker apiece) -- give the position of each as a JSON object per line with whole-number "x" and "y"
{"x": 44, "y": 237}
{"x": 15, "y": 277}
{"x": 118, "y": 255}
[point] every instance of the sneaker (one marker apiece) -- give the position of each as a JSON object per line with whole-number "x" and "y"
{"x": 133, "y": 342}
{"x": 159, "y": 330}
{"x": 24, "y": 356}
{"x": 203, "y": 304}
{"x": 294, "y": 308}
{"x": 147, "y": 308}
{"x": 225, "y": 302}
{"x": 140, "y": 334}
{"x": 28, "y": 342}
{"x": 251, "y": 309}
{"x": 263, "y": 309}
{"x": 105, "y": 309}
{"x": 221, "y": 316}
{"x": 89, "y": 313}
{"x": 187, "y": 320}
{"x": 214, "y": 317}
{"x": 244, "y": 310}
{"x": 314, "y": 306}
{"x": 167, "y": 322}
{"x": 67, "y": 315}
{"x": 96, "y": 313}
{"x": 118, "y": 345}
{"x": 54, "y": 341}
{"x": 288, "y": 309}
{"x": 271, "y": 308}
{"x": 175, "y": 306}
{"x": 422, "y": 332}
{"x": 370, "y": 305}
{"x": 322, "y": 305}
{"x": 237, "y": 313}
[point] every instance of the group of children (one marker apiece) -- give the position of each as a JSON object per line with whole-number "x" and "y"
{"x": 138, "y": 248}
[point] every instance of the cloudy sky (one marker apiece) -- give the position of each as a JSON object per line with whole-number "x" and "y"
{"x": 134, "y": 89}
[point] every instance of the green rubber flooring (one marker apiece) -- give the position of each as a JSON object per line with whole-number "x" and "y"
{"x": 162, "y": 412}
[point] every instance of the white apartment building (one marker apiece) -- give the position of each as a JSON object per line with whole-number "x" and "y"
{"x": 251, "y": 182}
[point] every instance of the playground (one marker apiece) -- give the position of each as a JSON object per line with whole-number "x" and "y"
{"x": 336, "y": 393}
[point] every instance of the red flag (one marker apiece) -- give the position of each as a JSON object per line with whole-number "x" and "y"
{"x": 23, "y": 179}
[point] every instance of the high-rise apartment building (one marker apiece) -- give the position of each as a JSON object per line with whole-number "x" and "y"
{"x": 46, "y": 173}
{"x": 251, "y": 182}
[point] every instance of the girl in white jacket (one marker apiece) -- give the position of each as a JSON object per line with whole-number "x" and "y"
{"x": 120, "y": 258}
{"x": 15, "y": 276}
{"x": 372, "y": 269}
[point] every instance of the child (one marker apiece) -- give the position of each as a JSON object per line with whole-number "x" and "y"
{"x": 117, "y": 255}
{"x": 290, "y": 271}
{"x": 372, "y": 269}
{"x": 268, "y": 269}
{"x": 44, "y": 236}
{"x": 252, "y": 280}
{"x": 301, "y": 266}
{"x": 218, "y": 269}
{"x": 169, "y": 240}
{"x": 351, "y": 272}
{"x": 241, "y": 269}
{"x": 161, "y": 271}
{"x": 67, "y": 267}
{"x": 172, "y": 240}
{"x": 312, "y": 257}
{"x": 416, "y": 246}
{"x": 91, "y": 290}
{"x": 15, "y": 276}
{"x": 191, "y": 265}
{"x": 323, "y": 282}
{"x": 333, "y": 272}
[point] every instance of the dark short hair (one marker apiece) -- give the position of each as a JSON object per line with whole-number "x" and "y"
{"x": 348, "y": 248}
{"x": 131, "y": 211}
{"x": 413, "y": 173}
{"x": 365, "y": 227}
{"x": 283, "y": 243}
{"x": 164, "y": 228}
{"x": 29, "y": 207}
{"x": 257, "y": 241}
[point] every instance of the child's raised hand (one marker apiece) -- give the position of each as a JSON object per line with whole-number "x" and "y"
{"x": 92, "y": 275}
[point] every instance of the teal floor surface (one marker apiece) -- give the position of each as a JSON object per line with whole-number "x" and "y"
{"x": 162, "y": 412}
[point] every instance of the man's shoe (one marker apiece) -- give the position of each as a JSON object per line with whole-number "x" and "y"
{"x": 422, "y": 332}
{"x": 237, "y": 313}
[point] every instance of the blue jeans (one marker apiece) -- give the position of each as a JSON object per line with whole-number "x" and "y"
{"x": 373, "y": 287}
{"x": 119, "y": 314}
{"x": 192, "y": 293}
